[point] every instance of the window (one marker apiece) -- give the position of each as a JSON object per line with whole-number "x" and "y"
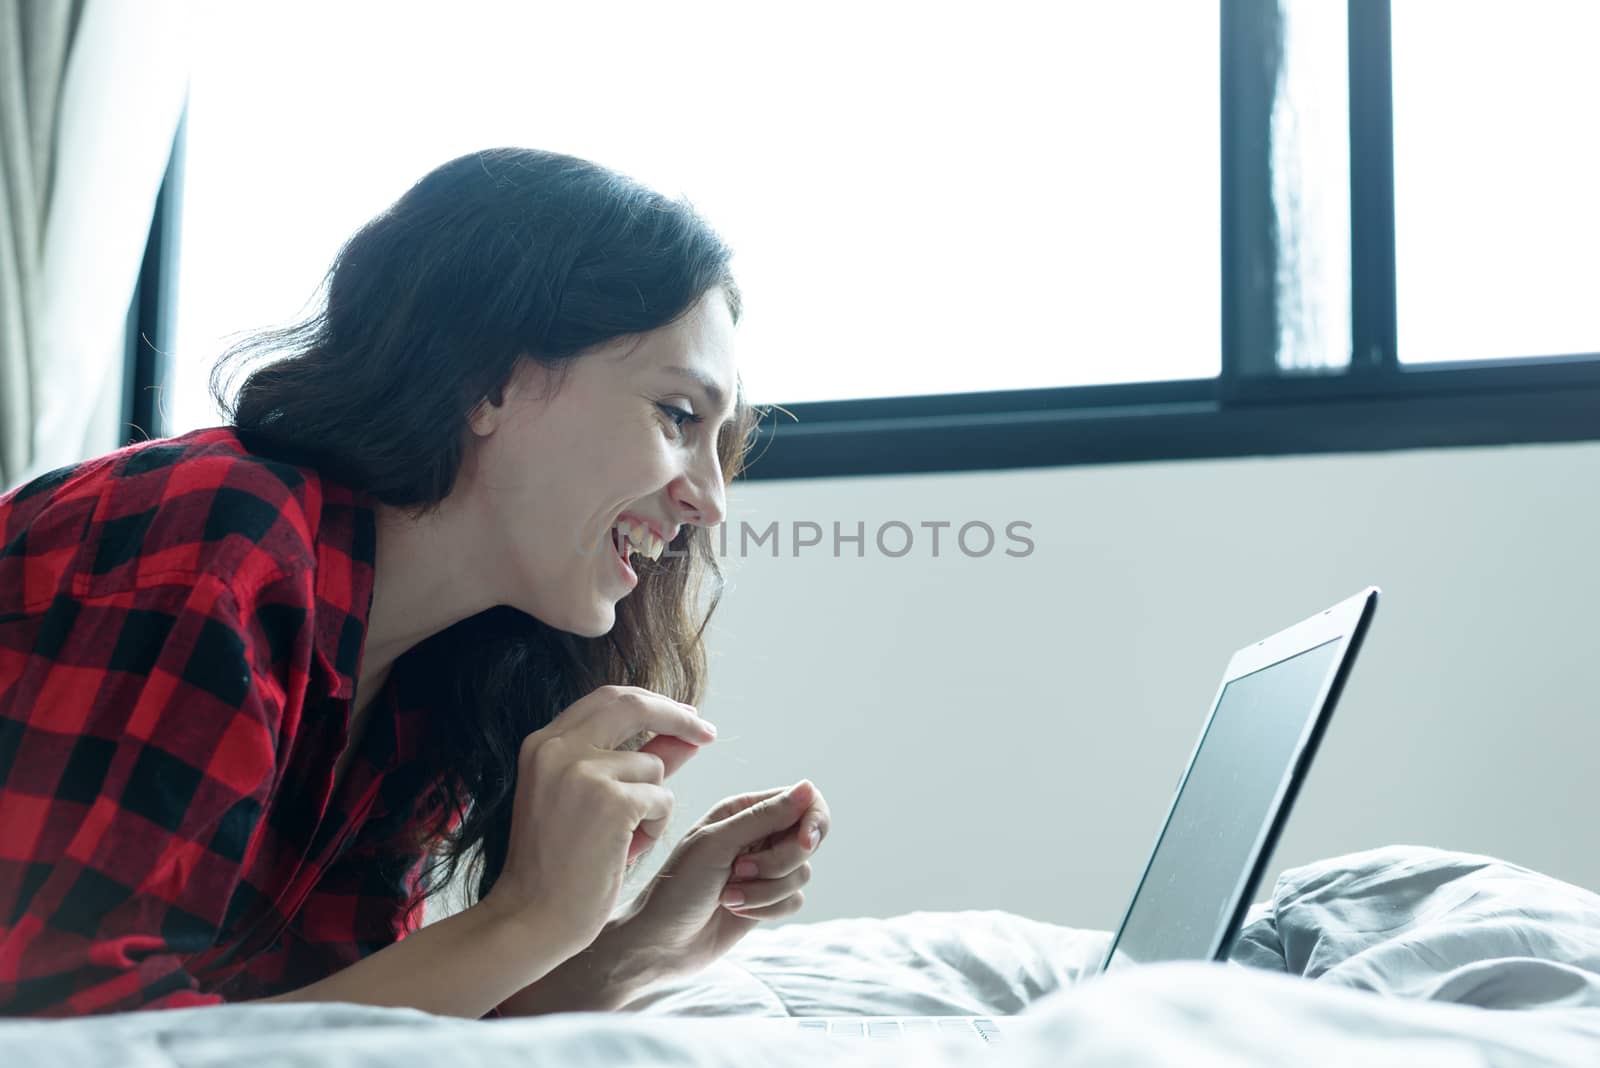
{"x": 1497, "y": 163}
{"x": 987, "y": 236}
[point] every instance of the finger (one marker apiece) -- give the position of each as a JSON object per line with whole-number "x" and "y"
{"x": 651, "y": 830}
{"x": 729, "y": 836}
{"x": 637, "y": 742}
{"x": 632, "y": 767}
{"x": 627, "y": 710}
{"x": 644, "y": 840}
{"x": 759, "y": 893}
{"x": 647, "y": 801}
{"x": 787, "y": 907}
{"x": 734, "y": 805}
{"x": 638, "y": 769}
{"x": 674, "y": 752}
{"x": 814, "y": 824}
{"x": 774, "y": 862}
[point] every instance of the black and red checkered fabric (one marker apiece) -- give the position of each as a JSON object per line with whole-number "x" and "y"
{"x": 181, "y": 625}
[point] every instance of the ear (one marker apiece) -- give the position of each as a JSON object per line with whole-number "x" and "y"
{"x": 530, "y": 382}
{"x": 494, "y": 409}
{"x": 486, "y": 417}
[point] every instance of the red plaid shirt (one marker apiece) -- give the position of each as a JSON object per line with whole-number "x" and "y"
{"x": 181, "y": 625}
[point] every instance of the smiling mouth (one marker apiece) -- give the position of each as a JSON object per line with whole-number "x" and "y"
{"x": 635, "y": 539}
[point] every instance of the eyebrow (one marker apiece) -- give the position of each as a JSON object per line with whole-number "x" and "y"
{"x": 712, "y": 391}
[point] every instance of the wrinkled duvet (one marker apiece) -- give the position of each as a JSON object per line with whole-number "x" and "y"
{"x": 1397, "y": 956}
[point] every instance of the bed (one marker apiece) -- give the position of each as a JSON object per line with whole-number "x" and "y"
{"x": 1397, "y": 956}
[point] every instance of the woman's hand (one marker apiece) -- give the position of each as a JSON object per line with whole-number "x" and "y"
{"x": 583, "y": 809}
{"x": 685, "y": 919}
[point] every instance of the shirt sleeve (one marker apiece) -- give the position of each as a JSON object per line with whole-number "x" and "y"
{"x": 138, "y": 739}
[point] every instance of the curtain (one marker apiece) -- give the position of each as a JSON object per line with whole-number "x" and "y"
{"x": 90, "y": 96}
{"x": 34, "y": 38}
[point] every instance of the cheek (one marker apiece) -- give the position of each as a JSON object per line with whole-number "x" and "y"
{"x": 636, "y": 464}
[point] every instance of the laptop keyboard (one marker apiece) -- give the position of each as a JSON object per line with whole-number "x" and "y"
{"x": 880, "y": 1030}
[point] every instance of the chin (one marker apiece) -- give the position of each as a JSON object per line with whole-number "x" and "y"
{"x": 596, "y": 624}
{"x": 593, "y": 620}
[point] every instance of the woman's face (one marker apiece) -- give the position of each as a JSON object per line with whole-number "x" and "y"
{"x": 626, "y": 436}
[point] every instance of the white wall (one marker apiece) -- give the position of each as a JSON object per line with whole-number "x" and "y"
{"x": 1005, "y": 733}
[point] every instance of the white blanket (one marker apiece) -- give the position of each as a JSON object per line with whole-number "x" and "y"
{"x": 1400, "y": 956}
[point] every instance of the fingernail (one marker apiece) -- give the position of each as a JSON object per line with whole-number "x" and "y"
{"x": 711, "y": 728}
{"x": 733, "y": 897}
{"x": 816, "y": 834}
{"x": 744, "y": 869}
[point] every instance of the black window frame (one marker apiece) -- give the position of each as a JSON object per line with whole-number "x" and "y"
{"x": 1252, "y": 408}
{"x": 153, "y": 310}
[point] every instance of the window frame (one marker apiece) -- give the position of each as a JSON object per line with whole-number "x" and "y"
{"x": 153, "y": 309}
{"x": 1252, "y": 408}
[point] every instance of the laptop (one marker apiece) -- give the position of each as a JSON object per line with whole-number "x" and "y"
{"x": 1229, "y": 806}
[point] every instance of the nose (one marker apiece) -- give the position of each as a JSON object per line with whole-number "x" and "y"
{"x": 698, "y": 495}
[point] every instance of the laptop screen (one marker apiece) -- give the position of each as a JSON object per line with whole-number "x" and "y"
{"x": 1186, "y": 897}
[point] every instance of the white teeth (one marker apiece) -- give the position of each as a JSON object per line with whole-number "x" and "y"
{"x": 641, "y": 540}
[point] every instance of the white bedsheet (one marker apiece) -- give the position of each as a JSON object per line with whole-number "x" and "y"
{"x": 1397, "y": 956}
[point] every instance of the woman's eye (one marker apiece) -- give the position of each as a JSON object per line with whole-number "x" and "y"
{"x": 679, "y": 416}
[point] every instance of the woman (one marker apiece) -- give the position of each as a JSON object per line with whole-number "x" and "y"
{"x": 264, "y": 687}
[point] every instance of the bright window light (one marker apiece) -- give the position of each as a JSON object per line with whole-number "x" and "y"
{"x": 922, "y": 198}
{"x": 1497, "y": 164}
